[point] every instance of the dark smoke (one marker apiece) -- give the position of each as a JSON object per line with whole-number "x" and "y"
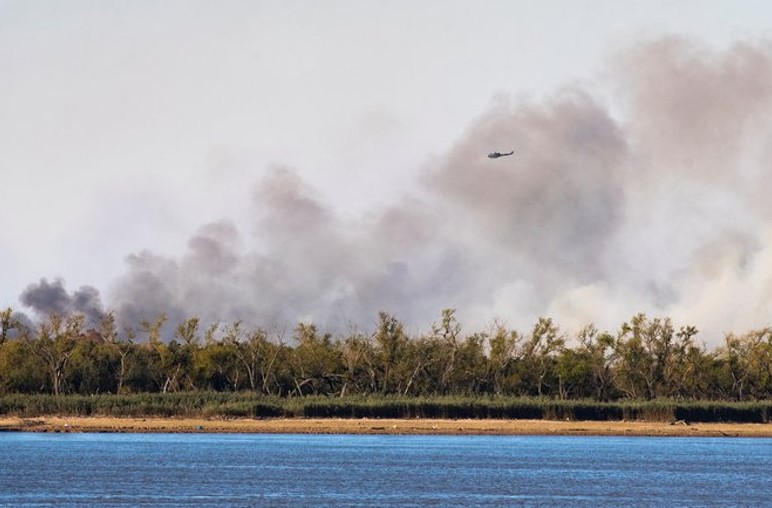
{"x": 46, "y": 298}
{"x": 658, "y": 205}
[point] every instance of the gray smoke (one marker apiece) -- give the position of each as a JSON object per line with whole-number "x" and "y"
{"x": 482, "y": 226}
{"x": 656, "y": 205}
{"x": 46, "y": 298}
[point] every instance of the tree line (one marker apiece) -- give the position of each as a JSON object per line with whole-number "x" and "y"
{"x": 646, "y": 358}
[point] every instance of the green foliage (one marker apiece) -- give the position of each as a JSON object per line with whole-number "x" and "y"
{"x": 443, "y": 372}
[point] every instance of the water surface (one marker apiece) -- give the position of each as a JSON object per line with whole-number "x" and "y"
{"x": 347, "y": 470}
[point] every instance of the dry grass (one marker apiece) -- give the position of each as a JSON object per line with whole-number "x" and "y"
{"x": 383, "y": 426}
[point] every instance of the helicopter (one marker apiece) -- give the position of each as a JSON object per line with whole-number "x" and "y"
{"x": 496, "y": 155}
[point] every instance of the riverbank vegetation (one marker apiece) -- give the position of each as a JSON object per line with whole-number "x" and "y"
{"x": 252, "y": 405}
{"x": 647, "y": 369}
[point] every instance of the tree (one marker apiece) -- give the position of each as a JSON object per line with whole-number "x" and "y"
{"x": 574, "y": 375}
{"x": 597, "y": 350}
{"x": 316, "y": 364}
{"x": 216, "y": 364}
{"x": 699, "y": 374}
{"x": 748, "y": 361}
{"x": 390, "y": 341}
{"x": 7, "y": 323}
{"x": 539, "y": 351}
{"x": 165, "y": 366}
{"x": 646, "y": 349}
{"x": 123, "y": 346}
{"x": 358, "y": 355}
{"x": 504, "y": 347}
{"x": 685, "y": 368}
{"x": 92, "y": 366}
{"x": 54, "y": 344}
{"x": 20, "y": 371}
{"x": 470, "y": 376}
{"x": 659, "y": 355}
{"x": 185, "y": 359}
{"x": 256, "y": 354}
{"x": 447, "y": 335}
{"x": 421, "y": 357}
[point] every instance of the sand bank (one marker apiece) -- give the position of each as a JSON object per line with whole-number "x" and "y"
{"x": 385, "y": 426}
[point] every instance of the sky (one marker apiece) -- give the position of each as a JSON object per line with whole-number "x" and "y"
{"x": 277, "y": 162}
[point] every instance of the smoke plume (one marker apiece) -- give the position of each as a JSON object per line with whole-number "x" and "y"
{"x": 658, "y": 205}
{"x": 46, "y": 298}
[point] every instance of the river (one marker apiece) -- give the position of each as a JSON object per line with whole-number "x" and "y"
{"x": 354, "y": 470}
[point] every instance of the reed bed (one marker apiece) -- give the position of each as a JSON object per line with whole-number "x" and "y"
{"x": 249, "y": 405}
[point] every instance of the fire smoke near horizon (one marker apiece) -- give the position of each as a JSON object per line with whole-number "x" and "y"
{"x": 663, "y": 211}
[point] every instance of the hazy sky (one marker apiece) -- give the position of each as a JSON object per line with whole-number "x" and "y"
{"x": 324, "y": 160}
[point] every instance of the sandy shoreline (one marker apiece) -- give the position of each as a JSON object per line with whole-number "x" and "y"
{"x": 382, "y": 426}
